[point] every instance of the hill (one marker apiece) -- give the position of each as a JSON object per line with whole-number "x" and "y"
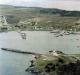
{"x": 31, "y": 18}
{"x": 37, "y": 10}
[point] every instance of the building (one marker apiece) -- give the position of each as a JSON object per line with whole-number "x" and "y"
{"x": 3, "y": 23}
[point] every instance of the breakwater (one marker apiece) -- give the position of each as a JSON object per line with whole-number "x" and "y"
{"x": 19, "y": 51}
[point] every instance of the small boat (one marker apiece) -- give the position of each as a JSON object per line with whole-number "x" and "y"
{"x": 23, "y": 35}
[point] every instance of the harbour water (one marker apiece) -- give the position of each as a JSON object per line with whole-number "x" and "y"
{"x": 36, "y": 41}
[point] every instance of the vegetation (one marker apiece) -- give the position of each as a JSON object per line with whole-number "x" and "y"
{"x": 12, "y": 19}
{"x": 35, "y": 18}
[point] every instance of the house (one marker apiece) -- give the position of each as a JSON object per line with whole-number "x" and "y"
{"x": 3, "y": 23}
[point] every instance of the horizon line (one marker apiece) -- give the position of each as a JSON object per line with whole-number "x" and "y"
{"x": 39, "y": 7}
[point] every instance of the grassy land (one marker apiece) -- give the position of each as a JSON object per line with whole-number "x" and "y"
{"x": 33, "y": 19}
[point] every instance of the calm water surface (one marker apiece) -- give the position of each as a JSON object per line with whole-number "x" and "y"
{"x": 37, "y": 41}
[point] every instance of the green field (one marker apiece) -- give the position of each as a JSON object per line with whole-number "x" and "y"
{"x": 33, "y": 18}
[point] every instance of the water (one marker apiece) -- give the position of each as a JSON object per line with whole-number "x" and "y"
{"x": 37, "y": 41}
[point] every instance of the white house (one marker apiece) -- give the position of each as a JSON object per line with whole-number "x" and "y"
{"x": 3, "y": 21}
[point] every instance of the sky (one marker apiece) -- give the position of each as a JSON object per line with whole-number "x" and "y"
{"x": 61, "y": 4}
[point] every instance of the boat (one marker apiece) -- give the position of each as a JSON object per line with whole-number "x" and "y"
{"x": 23, "y": 35}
